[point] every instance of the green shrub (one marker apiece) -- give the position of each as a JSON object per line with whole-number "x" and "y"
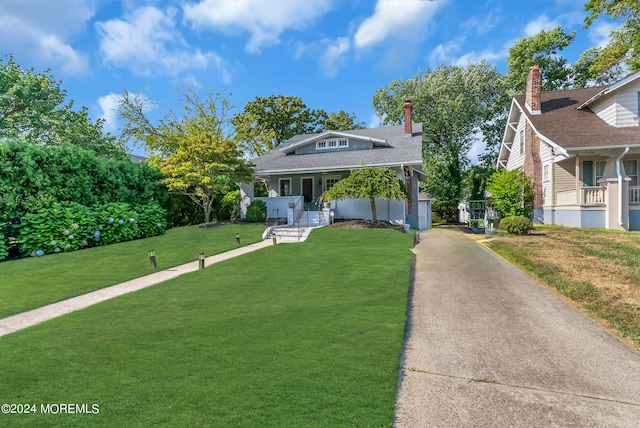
{"x": 257, "y": 211}
{"x": 231, "y": 204}
{"x": 516, "y": 224}
{"x": 511, "y": 193}
{"x": 4, "y": 251}
{"x": 70, "y": 226}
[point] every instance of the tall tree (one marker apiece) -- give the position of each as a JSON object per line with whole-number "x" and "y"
{"x": 342, "y": 121}
{"x": 457, "y": 106}
{"x": 266, "y": 122}
{"x": 368, "y": 183}
{"x": 196, "y": 151}
{"x": 33, "y": 108}
{"x": 624, "y": 47}
{"x": 541, "y": 49}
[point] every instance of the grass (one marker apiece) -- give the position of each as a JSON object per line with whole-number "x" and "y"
{"x": 598, "y": 270}
{"x": 33, "y": 282}
{"x": 292, "y": 335}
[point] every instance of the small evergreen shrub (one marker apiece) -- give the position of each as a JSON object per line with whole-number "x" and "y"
{"x": 257, "y": 211}
{"x": 517, "y": 225}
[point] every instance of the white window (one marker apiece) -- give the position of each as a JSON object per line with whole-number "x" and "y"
{"x": 329, "y": 181}
{"x": 343, "y": 143}
{"x": 521, "y": 141}
{"x": 599, "y": 171}
{"x": 285, "y": 187}
{"x": 545, "y": 172}
{"x": 631, "y": 169}
{"x": 331, "y": 143}
{"x": 321, "y": 145}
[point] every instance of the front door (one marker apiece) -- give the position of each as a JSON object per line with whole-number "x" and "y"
{"x": 307, "y": 189}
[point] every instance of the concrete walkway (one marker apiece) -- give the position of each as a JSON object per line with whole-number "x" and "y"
{"x": 36, "y": 316}
{"x": 488, "y": 346}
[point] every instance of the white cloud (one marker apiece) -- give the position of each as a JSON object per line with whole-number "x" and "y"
{"x": 42, "y": 33}
{"x": 404, "y": 20}
{"x": 264, "y": 20}
{"x": 109, "y": 106}
{"x": 539, "y": 24}
{"x": 333, "y": 56}
{"x": 444, "y": 52}
{"x": 148, "y": 42}
{"x": 474, "y": 57}
{"x": 374, "y": 121}
{"x": 599, "y": 33}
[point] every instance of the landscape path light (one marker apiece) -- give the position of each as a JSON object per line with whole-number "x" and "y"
{"x": 201, "y": 260}
{"x": 238, "y": 238}
{"x": 152, "y": 258}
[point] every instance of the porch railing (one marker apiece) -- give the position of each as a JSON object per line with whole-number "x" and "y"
{"x": 634, "y": 194}
{"x": 593, "y": 195}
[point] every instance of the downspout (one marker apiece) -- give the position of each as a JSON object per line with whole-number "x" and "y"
{"x": 619, "y": 173}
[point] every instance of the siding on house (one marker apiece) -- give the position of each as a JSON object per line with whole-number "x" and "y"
{"x": 516, "y": 157}
{"x": 619, "y": 109}
{"x": 564, "y": 182}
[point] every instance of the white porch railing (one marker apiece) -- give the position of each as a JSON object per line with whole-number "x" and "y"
{"x": 593, "y": 195}
{"x": 634, "y": 194}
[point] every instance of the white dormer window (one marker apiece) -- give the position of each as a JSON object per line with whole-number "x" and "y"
{"x": 332, "y": 144}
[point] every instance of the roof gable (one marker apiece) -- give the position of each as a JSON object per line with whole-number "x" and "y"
{"x": 291, "y": 146}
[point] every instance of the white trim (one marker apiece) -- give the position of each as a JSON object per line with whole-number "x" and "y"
{"x": 313, "y": 187}
{"x": 336, "y": 177}
{"x": 333, "y": 168}
{"x": 328, "y": 135}
{"x": 280, "y": 180}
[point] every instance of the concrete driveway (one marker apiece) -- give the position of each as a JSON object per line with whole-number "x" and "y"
{"x": 488, "y": 346}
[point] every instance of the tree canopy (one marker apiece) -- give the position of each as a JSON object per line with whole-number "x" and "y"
{"x": 542, "y": 49}
{"x": 457, "y": 106}
{"x": 33, "y": 108}
{"x": 368, "y": 183}
{"x": 266, "y": 122}
{"x": 196, "y": 151}
{"x": 624, "y": 47}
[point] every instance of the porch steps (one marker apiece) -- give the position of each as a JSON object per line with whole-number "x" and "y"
{"x": 288, "y": 234}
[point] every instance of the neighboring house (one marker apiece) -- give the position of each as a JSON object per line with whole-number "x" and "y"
{"x": 581, "y": 148}
{"x": 300, "y": 169}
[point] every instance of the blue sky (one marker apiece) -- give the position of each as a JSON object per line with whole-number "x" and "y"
{"x": 333, "y": 54}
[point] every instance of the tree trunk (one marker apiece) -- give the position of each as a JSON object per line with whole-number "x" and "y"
{"x": 373, "y": 208}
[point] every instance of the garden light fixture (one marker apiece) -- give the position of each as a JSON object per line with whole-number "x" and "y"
{"x": 152, "y": 258}
{"x": 201, "y": 259}
{"x": 238, "y": 238}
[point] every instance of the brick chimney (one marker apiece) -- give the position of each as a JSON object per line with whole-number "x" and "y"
{"x": 534, "y": 90}
{"x": 408, "y": 119}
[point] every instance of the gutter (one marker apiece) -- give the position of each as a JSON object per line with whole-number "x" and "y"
{"x": 619, "y": 173}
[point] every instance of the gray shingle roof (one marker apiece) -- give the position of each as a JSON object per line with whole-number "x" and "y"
{"x": 571, "y": 128}
{"x": 400, "y": 150}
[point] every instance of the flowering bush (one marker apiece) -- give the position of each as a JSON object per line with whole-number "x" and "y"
{"x": 69, "y": 226}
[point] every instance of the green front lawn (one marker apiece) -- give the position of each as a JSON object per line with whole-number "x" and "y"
{"x": 36, "y": 281}
{"x": 291, "y": 335}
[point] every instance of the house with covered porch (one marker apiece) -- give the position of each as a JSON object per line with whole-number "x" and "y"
{"x": 581, "y": 149}
{"x": 300, "y": 169}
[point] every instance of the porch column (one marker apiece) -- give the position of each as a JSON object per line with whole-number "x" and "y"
{"x": 617, "y": 210}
